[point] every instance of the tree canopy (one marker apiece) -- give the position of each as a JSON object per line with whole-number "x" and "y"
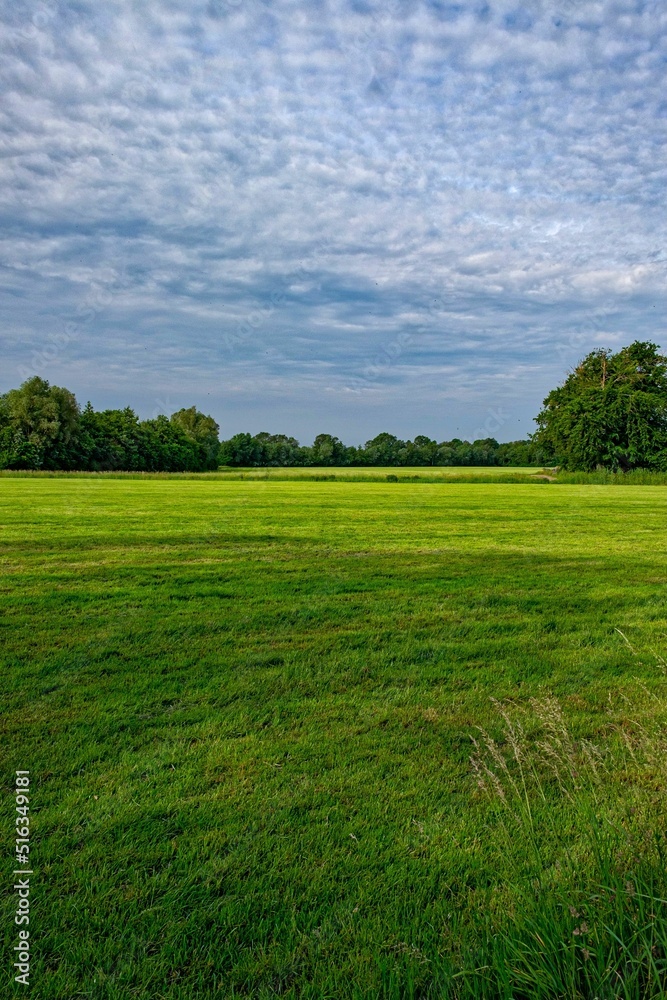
{"x": 37, "y": 425}
{"x": 611, "y": 412}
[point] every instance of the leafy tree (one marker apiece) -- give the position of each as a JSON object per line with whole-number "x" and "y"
{"x": 203, "y": 430}
{"x": 114, "y": 440}
{"x": 484, "y": 451}
{"x": 446, "y": 454}
{"x": 455, "y": 452}
{"x": 243, "y": 450}
{"x": 166, "y": 447}
{"x": 327, "y": 450}
{"x": 383, "y": 450}
{"x": 352, "y": 455}
{"x": 425, "y": 451}
{"x": 279, "y": 450}
{"x": 40, "y": 424}
{"x": 610, "y": 412}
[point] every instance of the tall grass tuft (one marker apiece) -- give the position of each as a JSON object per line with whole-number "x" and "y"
{"x": 577, "y": 830}
{"x": 601, "y": 477}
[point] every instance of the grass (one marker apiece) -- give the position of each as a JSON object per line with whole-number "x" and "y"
{"x": 635, "y": 477}
{"x": 417, "y": 474}
{"x": 247, "y": 708}
{"x": 424, "y": 474}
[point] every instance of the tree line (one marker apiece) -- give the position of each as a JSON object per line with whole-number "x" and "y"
{"x": 43, "y": 427}
{"x": 609, "y": 413}
{"x": 262, "y": 450}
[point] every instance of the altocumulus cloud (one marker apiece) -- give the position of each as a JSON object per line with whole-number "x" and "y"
{"x": 313, "y": 215}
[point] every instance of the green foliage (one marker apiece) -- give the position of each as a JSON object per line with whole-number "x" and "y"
{"x": 247, "y": 710}
{"x": 41, "y": 427}
{"x": 327, "y": 450}
{"x": 383, "y": 451}
{"x": 37, "y": 426}
{"x": 201, "y": 429}
{"x": 611, "y": 412}
{"x": 242, "y": 449}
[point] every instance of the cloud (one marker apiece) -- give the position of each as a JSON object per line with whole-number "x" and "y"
{"x": 238, "y": 200}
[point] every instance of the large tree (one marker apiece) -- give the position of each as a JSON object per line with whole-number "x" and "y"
{"x": 327, "y": 450}
{"x": 38, "y": 426}
{"x": 384, "y": 449}
{"x": 610, "y": 412}
{"x": 203, "y": 430}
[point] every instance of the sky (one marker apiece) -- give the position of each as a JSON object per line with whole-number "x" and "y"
{"x": 318, "y": 216}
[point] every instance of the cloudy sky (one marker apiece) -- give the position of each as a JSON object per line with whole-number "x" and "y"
{"x": 318, "y": 215}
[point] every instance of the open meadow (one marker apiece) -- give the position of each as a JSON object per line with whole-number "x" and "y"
{"x": 248, "y": 709}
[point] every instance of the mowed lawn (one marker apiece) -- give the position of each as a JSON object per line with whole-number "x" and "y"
{"x": 246, "y": 708}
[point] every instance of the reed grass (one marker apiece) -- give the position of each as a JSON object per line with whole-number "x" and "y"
{"x": 581, "y": 841}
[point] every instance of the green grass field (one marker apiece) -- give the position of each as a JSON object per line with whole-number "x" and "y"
{"x": 247, "y": 710}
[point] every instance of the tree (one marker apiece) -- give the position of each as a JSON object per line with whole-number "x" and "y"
{"x": 425, "y": 451}
{"x": 243, "y": 450}
{"x": 114, "y": 438}
{"x": 277, "y": 450}
{"x": 383, "y": 450}
{"x": 524, "y": 453}
{"x": 610, "y": 412}
{"x": 40, "y": 426}
{"x": 203, "y": 430}
{"x": 327, "y": 450}
{"x": 484, "y": 451}
{"x": 165, "y": 447}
